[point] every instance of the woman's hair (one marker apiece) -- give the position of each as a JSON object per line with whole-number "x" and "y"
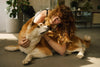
{"x": 66, "y": 16}
{"x": 67, "y": 24}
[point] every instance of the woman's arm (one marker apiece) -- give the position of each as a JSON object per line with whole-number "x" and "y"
{"x": 40, "y": 17}
{"x": 57, "y": 47}
{"x": 25, "y": 42}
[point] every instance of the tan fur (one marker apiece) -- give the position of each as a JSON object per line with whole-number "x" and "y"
{"x": 36, "y": 49}
{"x": 65, "y": 36}
{"x": 78, "y": 45}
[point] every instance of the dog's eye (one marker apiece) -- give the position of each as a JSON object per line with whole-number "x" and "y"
{"x": 38, "y": 26}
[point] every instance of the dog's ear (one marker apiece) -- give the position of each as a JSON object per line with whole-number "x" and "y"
{"x": 32, "y": 23}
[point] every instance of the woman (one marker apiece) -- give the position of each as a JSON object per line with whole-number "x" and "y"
{"x": 62, "y": 23}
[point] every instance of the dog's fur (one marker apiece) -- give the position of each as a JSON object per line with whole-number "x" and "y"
{"x": 78, "y": 45}
{"x": 42, "y": 49}
{"x": 33, "y": 32}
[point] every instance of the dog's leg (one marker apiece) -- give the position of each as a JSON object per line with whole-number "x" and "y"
{"x": 38, "y": 53}
{"x": 27, "y": 59}
{"x": 81, "y": 53}
{"x": 79, "y": 50}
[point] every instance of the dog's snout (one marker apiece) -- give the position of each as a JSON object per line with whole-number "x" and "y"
{"x": 45, "y": 27}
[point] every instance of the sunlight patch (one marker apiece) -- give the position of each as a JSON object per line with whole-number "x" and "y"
{"x": 95, "y": 62}
{"x": 8, "y": 36}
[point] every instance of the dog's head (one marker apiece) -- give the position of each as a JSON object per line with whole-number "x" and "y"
{"x": 37, "y": 29}
{"x": 42, "y": 28}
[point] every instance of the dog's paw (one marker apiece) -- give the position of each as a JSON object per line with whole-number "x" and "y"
{"x": 26, "y": 61}
{"x": 80, "y": 56}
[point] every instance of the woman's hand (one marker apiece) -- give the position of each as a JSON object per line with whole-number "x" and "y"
{"x": 24, "y": 43}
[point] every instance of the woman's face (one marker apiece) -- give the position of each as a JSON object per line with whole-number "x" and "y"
{"x": 55, "y": 20}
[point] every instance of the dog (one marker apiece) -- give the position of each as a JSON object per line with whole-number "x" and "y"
{"x": 78, "y": 45}
{"x": 42, "y": 49}
{"x": 33, "y": 32}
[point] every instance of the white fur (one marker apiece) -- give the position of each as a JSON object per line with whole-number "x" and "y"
{"x": 34, "y": 36}
{"x": 80, "y": 50}
{"x": 11, "y": 49}
{"x": 37, "y": 53}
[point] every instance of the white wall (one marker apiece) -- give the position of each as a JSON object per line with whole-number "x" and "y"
{"x": 40, "y": 4}
{"x": 3, "y": 15}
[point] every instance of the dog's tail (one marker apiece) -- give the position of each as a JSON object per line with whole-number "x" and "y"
{"x": 12, "y": 48}
{"x": 87, "y": 40}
